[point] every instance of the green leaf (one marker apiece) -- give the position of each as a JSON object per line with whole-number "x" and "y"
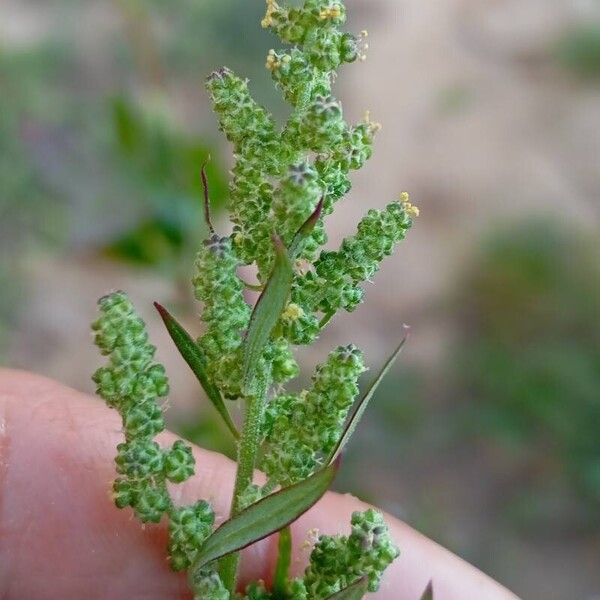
{"x": 428, "y": 593}
{"x": 305, "y": 230}
{"x": 268, "y": 309}
{"x": 193, "y": 356}
{"x": 265, "y": 517}
{"x": 356, "y": 591}
{"x": 364, "y": 402}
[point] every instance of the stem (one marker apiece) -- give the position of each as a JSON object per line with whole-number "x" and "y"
{"x": 247, "y": 451}
{"x": 280, "y": 581}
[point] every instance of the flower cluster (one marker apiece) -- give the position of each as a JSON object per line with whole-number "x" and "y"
{"x": 302, "y": 429}
{"x": 225, "y": 313}
{"x": 273, "y": 174}
{"x": 335, "y": 279}
{"x": 286, "y": 180}
{"x": 338, "y": 561}
{"x": 132, "y": 383}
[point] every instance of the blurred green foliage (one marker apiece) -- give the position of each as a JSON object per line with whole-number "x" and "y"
{"x": 81, "y": 135}
{"x": 165, "y": 165}
{"x": 579, "y": 50}
{"x": 529, "y": 368}
{"x": 30, "y": 210}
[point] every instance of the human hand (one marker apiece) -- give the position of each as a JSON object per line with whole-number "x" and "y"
{"x": 62, "y": 537}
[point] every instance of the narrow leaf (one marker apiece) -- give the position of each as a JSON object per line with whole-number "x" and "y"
{"x": 364, "y": 402}
{"x": 193, "y": 356}
{"x": 265, "y": 517}
{"x": 305, "y": 230}
{"x": 428, "y": 593}
{"x": 206, "y": 196}
{"x": 356, "y": 591}
{"x": 268, "y": 309}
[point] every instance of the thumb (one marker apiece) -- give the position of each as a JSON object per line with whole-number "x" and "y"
{"x": 62, "y": 537}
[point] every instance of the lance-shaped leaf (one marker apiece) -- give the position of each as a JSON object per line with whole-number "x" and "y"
{"x": 305, "y": 230}
{"x": 193, "y": 356}
{"x": 428, "y": 593}
{"x": 265, "y": 517}
{"x": 356, "y": 591}
{"x": 268, "y": 309}
{"x": 364, "y": 402}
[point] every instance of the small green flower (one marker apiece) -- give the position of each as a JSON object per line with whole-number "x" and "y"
{"x": 207, "y": 585}
{"x": 151, "y": 504}
{"x": 139, "y": 459}
{"x": 179, "y": 462}
{"x": 189, "y": 526}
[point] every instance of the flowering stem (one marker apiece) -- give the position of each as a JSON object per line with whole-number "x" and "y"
{"x": 280, "y": 580}
{"x": 247, "y": 450}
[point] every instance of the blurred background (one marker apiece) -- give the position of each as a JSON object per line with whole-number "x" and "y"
{"x": 486, "y": 436}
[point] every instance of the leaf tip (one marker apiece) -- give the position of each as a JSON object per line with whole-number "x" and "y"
{"x": 428, "y": 593}
{"x": 162, "y": 311}
{"x": 315, "y": 215}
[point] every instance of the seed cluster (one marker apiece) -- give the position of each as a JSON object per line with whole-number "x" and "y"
{"x": 132, "y": 383}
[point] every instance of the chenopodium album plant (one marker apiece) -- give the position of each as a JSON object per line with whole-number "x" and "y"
{"x": 285, "y": 182}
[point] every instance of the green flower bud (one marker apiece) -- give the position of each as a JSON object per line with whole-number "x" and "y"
{"x": 139, "y": 459}
{"x": 295, "y": 200}
{"x": 189, "y": 526}
{"x": 284, "y": 366}
{"x": 124, "y": 493}
{"x": 207, "y": 585}
{"x": 179, "y": 462}
{"x": 151, "y": 504}
{"x": 321, "y": 126}
{"x": 349, "y": 48}
{"x": 143, "y": 421}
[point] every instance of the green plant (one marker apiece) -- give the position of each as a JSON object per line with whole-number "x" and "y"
{"x": 285, "y": 182}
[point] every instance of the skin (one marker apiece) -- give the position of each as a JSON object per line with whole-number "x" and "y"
{"x": 62, "y": 537}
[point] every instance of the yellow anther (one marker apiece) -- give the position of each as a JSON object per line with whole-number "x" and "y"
{"x": 333, "y": 12}
{"x": 272, "y": 8}
{"x": 362, "y": 45}
{"x": 410, "y": 209}
{"x": 272, "y": 61}
{"x": 374, "y": 126}
{"x": 292, "y": 312}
